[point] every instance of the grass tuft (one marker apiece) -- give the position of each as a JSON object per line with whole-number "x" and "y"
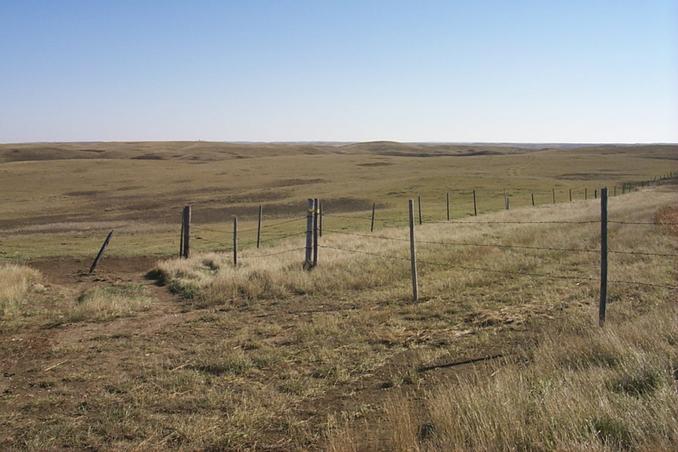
{"x": 642, "y": 382}
{"x": 106, "y": 303}
{"x": 612, "y": 432}
{"x": 16, "y": 284}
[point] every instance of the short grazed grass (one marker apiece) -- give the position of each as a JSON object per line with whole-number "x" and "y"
{"x": 118, "y": 187}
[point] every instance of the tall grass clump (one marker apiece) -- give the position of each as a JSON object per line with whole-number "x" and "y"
{"x": 211, "y": 278}
{"x": 15, "y": 287}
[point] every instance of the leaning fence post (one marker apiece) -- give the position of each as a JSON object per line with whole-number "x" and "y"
{"x": 475, "y": 206}
{"x": 235, "y": 241}
{"x": 372, "y": 222}
{"x": 315, "y": 232}
{"x": 309, "y": 235}
{"x": 447, "y": 199}
{"x": 259, "y": 226}
{"x": 532, "y": 199}
{"x": 413, "y": 253}
{"x": 101, "y": 252}
{"x": 419, "y": 206}
{"x": 186, "y": 230}
{"x": 603, "y": 257}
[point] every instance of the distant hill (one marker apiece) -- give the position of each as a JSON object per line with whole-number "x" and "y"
{"x": 214, "y": 151}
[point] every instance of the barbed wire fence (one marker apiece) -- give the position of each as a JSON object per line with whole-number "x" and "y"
{"x": 272, "y": 232}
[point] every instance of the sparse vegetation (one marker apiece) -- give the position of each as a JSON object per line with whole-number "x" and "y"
{"x": 269, "y": 356}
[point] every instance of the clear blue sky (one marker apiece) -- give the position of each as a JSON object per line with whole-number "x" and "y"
{"x": 278, "y": 70}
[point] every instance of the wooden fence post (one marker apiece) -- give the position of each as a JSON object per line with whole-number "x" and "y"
{"x": 419, "y": 205}
{"x": 447, "y": 197}
{"x": 595, "y": 194}
{"x": 181, "y": 238}
{"x": 475, "y": 206}
{"x": 259, "y": 226}
{"x": 554, "y": 195}
{"x": 586, "y": 193}
{"x": 186, "y": 230}
{"x": 101, "y": 252}
{"x": 506, "y": 205}
{"x": 614, "y": 190}
{"x": 372, "y": 222}
{"x": 308, "y": 263}
{"x": 413, "y": 254}
{"x": 235, "y": 241}
{"x": 320, "y": 225}
{"x": 603, "y": 257}
{"x": 570, "y": 195}
{"x": 315, "y": 232}
{"x": 532, "y": 199}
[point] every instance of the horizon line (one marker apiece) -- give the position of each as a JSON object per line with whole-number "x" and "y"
{"x": 342, "y": 142}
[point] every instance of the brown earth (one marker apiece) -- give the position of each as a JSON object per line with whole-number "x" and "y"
{"x": 44, "y": 362}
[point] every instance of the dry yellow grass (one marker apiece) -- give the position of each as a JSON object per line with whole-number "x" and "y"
{"x": 16, "y": 282}
{"x": 25, "y": 300}
{"x": 105, "y": 303}
{"x": 583, "y": 389}
{"x": 381, "y": 259}
{"x": 280, "y": 354}
{"x": 456, "y": 302}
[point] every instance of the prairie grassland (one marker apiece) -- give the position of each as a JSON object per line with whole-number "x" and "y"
{"x": 582, "y": 388}
{"x": 286, "y": 361}
{"x": 138, "y": 189}
{"x": 298, "y": 360}
{"x": 268, "y": 356}
{"x": 356, "y": 261}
